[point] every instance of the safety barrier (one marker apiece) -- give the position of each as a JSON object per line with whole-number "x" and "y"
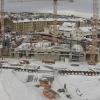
{"x": 61, "y": 72}
{"x": 85, "y": 73}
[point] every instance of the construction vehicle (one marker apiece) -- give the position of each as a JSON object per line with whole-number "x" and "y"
{"x": 46, "y": 81}
{"x": 24, "y": 62}
{"x": 50, "y": 94}
{"x": 43, "y": 82}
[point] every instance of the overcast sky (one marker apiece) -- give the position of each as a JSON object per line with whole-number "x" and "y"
{"x": 84, "y": 6}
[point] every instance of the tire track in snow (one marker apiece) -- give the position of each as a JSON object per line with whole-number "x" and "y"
{"x": 7, "y": 92}
{"x": 4, "y": 88}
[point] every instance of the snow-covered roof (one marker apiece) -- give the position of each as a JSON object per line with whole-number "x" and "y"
{"x": 60, "y": 48}
{"x": 68, "y": 24}
{"x": 67, "y": 29}
{"x": 40, "y": 19}
{"x": 85, "y": 29}
{"x": 20, "y": 21}
{"x": 39, "y": 45}
{"x": 48, "y": 19}
{"x": 75, "y": 19}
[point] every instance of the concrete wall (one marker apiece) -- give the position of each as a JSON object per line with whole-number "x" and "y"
{"x": 46, "y": 56}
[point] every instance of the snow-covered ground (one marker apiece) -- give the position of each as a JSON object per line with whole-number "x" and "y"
{"x": 79, "y": 87}
{"x": 13, "y": 89}
{"x": 14, "y": 85}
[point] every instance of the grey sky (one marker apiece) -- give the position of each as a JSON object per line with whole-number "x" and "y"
{"x": 84, "y": 6}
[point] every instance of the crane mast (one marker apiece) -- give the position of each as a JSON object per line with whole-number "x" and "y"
{"x": 55, "y": 17}
{"x": 2, "y": 17}
{"x": 55, "y": 11}
{"x": 93, "y": 48}
{"x": 95, "y": 22}
{"x": 55, "y": 33}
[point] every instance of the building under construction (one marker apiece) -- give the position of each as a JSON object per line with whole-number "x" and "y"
{"x": 25, "y": 26}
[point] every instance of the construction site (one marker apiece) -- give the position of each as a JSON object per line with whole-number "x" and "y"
{"x": 49, "y": 55}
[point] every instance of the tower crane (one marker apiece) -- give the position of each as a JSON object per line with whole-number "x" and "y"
{"x": 55, "y": 11}
{"x": 93, "y": 47}
{"x": 2, "y": 17}
{"x": 55, "y": 17}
